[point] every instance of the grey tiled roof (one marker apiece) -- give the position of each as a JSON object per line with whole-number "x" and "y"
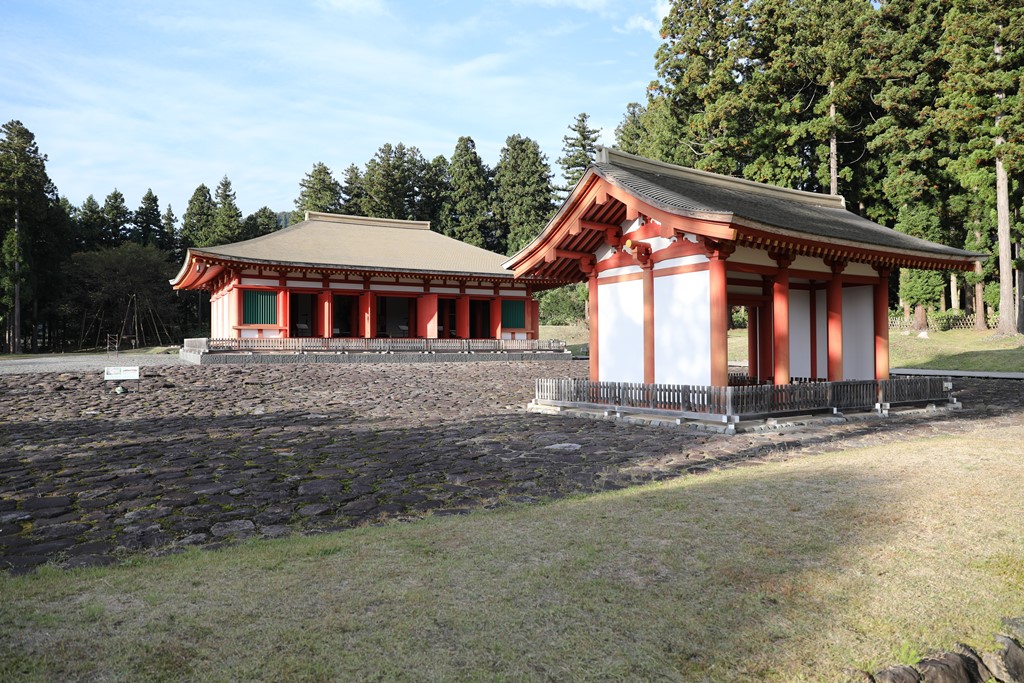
{"x": 681, "y": 190}
{"x": 358, "y": 243}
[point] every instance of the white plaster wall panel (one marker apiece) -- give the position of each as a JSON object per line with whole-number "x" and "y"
{"x": 350, "y": 286}
{"x": 604, "y": 252}
{"x": 631, "y": 226}
{"x": 682, "y": 329}
{"x": 216, "y": 319}
{"x": 271, "y": 334}
{"x": 750, "y": 256}
{"x": 444, "y": 290}
{"x": 799, "y": 333}
{"x": 621, "y": 331}
{"x": 510, "y": 292}
{"x": 250, "y": 334}
{"x": 681, "y": 261}
{"x": 259, "y": 282}
{"x": 858, "y": 333}
{"x": 811, "y": 263}
{"x": 305, "y": 284}
{"x": 860, "y": 269}
{"x": 821, "y": 319}
{"x": 625, "y": 270}
{"x": 658, "y": 243}
{"x": 480, "y": 292}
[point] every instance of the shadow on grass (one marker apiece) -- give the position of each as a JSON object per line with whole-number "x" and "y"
{"x": 996, "y": 360}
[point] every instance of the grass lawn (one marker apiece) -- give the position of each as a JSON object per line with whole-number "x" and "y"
{"x": 790, "y": 571}
{"x": 951, "y": 350}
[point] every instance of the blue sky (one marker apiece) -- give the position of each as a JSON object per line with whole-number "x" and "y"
{"x": 168, "y": 95}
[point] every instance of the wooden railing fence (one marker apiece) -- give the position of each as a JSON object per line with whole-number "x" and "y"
{"x": 376, "y": 345}
{"x": 738, "y": 402}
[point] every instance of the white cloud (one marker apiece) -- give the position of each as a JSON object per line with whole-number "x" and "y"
{"x": 650, "y": 22}
{"x": 365, "y": 7}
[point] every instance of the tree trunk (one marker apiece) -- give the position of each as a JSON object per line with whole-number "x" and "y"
{"x": 1007, "y": 323}
{"x": 833, "y": 150}
{"x": 979, "y": 306}
{"x": 920, "y": 319}
{"x": 954, "y": 291}
{"x": 1019, "y": 299}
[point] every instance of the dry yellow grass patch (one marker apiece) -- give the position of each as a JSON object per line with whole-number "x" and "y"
{"x": 790, "y": 571}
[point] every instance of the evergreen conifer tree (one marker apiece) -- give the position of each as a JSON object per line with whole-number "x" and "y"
{"x": 578, "y": 150}
{"x": 197, "y": 223}
{"x": 146, "y": 222}
{"x": 390, "y": 183}
{"x": 469, "y": 203}
{"x": 352, "y": 192}
{"x": 319, "y": 191}
{"x": 523, "y": 191}
{"x": 227, "y": 218}
{"x": 167, "y": 239}
{"x": 262, "y": 222}
{"x": 117, "y": 220}
{"x": 89, "y": 223}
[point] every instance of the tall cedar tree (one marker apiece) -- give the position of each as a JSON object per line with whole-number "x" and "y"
{"x": 905, "y": 65}
{"x": 262, "y": 222}
{"x": 981, "y": 109}
{"x": 631, "y": 134}
{"x": 390, "y": 183}
{"x": 117, "y": 220}
{"x": 318, "y": 191}
{"x": 167, "y": 240}
{"x": 89, "y": 222}
{"x": 435, "y": 186}
{"x": 578, "y": 150}
{"x": 352, "y": 191}
{"x": 197, "y": 223}
{"x": 146, "y": 222}
{"x": 695, "y": 116}
{"x": 34, "y": 237}
{"x": 227, "y": 218}
{"x": 807, "y": 100}
{"x": 469, "y": 202}
{"x": 523, "y": 191}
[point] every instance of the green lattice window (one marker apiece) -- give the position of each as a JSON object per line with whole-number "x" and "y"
{"x": 259, "y": 308}
{"x": 513, "y": 314}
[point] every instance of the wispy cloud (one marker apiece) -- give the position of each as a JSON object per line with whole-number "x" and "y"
{"x": 649, "y": 22}
{"x": 368, "y": 7}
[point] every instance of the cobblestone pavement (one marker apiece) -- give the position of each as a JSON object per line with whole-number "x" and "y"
{"x": 207, "y": 455}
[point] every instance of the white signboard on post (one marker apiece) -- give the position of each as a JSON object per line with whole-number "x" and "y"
{"x": 121, "y": 374}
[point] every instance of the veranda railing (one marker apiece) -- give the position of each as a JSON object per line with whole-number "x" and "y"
{"x": 732, "y": 403}
{"x": 376, "y": 345}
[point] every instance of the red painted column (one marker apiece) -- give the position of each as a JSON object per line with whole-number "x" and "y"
{"x": 592, "y": 305}
{"x": 834, "y": 303}
{"x": 719, "y": 322}
{"x": 326, "y": 320}
{"x": 462, "y": 317}
{"x": 367, "y": 315}
{"x": 426, "y": 316}
{"x": 533, "y": 317}
{"x": 284, "y": 300}
{"x": 780, "y": 325}
{"x": 752, "y": 346}
{"x": 495, "y": 318}
{"x": 648, "y": 280}
{"x": 881, "y": 311}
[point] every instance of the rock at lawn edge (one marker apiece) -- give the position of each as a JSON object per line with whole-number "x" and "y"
{"x": 898, "y": 674}
{"x": 973, "y": 659}
{"x": 947, "y": 667}
{"x": 238, "y": 527}
{"x": 1006, "y": 665}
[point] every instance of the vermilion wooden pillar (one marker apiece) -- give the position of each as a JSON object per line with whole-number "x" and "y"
{"x": 426, "y": 316}
{"x": 719, "y": 321}
{"x": 284, "y": 317}
{"x": 780, "y": 324}
{"x": 326, "y": 320}
{"x": 881, "y": 311}
{"x": 592, "y": 304}
{"x": 462, "y": 317}
{"x": 834, "y": 304}
{"x": 766, "y": 334}
{"x": 495, "y": 318}
{"x": 752, "y": 346}
{"x": 367, "y": 315}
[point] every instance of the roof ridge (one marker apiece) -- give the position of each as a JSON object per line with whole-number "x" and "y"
{"x": 326, "y": 217}
{"x": 615, "y": 157}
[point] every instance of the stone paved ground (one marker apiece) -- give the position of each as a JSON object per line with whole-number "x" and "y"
{"x": 208, "y": 455}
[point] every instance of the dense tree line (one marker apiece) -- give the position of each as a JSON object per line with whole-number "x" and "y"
{"x": 911, "y": 109}
{"x": 72, "y": 275}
